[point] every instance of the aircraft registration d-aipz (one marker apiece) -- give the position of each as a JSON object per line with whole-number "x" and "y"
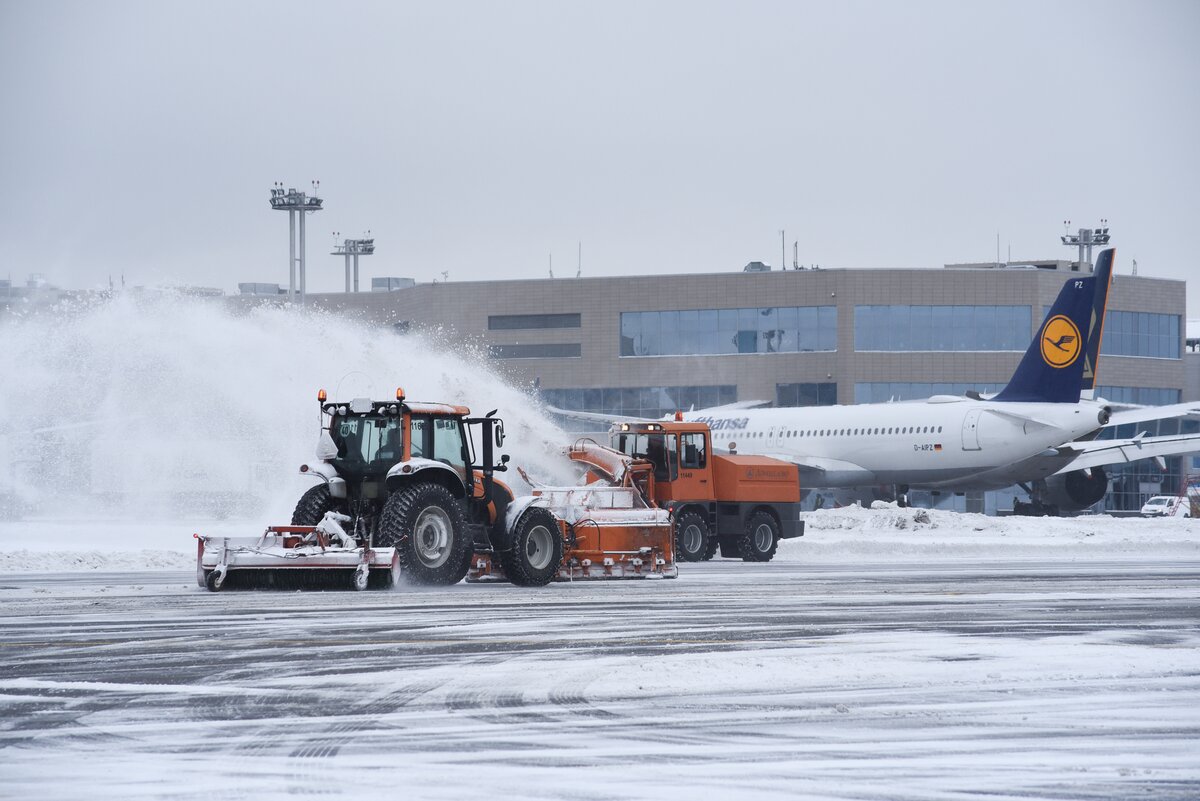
{"x": 1038, "y": 432}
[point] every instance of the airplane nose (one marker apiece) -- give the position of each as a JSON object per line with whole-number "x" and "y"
{"x": 1104, "y": 415}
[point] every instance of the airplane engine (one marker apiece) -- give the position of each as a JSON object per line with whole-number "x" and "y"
{"x": 1077, "y": 490}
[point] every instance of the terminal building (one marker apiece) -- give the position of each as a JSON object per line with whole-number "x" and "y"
{"x": 647, "y": 345}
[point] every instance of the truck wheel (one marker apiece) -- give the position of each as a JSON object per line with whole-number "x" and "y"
{"x": 691, "y": 537}
{"x": 537, "y": 550}
{"x": 424, "y": 523}
{"x": 313, "y": 505}
{"x": 710, "y": 550}
{"x": 760, "y": 539}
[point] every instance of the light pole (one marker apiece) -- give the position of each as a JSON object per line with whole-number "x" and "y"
{"x": 1085, "y": 239}
{"x": 355, "y": 248}
{"x": 294, "y": 203}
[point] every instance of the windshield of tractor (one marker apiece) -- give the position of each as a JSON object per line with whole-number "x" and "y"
{"x": 367, "y": 442}
{"x": 658, "y": 449}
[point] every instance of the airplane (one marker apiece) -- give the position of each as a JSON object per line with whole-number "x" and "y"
{"x": 1039, "y": 432}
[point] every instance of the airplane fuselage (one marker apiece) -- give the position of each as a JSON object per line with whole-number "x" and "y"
{"x": 942, "y": 442}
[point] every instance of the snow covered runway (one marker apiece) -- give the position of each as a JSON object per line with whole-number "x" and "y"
{"x": 1021, "y": 676}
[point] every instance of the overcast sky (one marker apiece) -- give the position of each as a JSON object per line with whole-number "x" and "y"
{"x": 143, "y": 138}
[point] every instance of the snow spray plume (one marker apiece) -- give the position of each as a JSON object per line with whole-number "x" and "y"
{"x": 142, "y": 405}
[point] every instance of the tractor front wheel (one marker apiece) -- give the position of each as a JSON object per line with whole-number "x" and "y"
{"x": 313, "y": 505}
{"x": 424, "y": 523}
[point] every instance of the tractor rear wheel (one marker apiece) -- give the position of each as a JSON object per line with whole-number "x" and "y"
{"x": 691, "y": 537}
{"x": 424, "y": 523}
{"x": 313, "y": 505}
{"x": 537, "y": 550}
{"x": 760, "y": 540}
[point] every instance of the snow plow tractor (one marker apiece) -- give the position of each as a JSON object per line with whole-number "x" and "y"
{"x": 399, "y": 493}
{"x": 402, "y": 494}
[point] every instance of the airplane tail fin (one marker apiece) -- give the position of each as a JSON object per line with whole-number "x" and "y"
{"x": 1103, "y": 277}
{"x": 1060, "y": 362}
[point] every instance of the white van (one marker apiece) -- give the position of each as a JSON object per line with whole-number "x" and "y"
{"x": 1165, "y": 506}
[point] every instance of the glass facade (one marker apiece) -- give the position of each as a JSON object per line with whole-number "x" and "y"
{"x": 823, "y": 394}
{"x": 510, "y": 322}
{"x": 941, "y": 328}
{"x": 641, "y": 401}
{"x": 1144, "y": 396}
{"x": 1156, "y": 336}
{"x": 552, "y": 350}
{"x": 884, "y": 391}
{"x": 1132, "y": 484}
{"x": 792, "y": 329}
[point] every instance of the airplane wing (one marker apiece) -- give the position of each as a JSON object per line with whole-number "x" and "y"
{"x": 1140, "y": 414}
{"x": 729, "y": 407}
{"x": 1100, "y": 452}
{"x": 600, "y": 417}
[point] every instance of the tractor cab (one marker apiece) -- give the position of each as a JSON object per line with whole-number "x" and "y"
{"x": 374, "y": 445}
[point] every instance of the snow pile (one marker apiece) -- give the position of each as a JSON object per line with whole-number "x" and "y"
{"x": 887, "y": 532}
{"x": 26, "y": 561}
{"x": 880, "y": 515}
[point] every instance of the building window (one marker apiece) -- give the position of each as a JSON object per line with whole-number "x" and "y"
{"x": 1155, "y": 336}
{"x": 511, "y": 322}
{"x": 884, "y": 391}
{"x": 727, "y": 331}
{"x": 942, "y": 328}
{"x": 554, "y": 350}
{"x": 648, "y": 402}
{"x": 823, "y": 394}
{"x": 1143, "y": 396}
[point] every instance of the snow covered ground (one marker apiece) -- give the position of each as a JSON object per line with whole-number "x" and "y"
{"x": 883, "y": 533}
{"x": 888, "y": 654}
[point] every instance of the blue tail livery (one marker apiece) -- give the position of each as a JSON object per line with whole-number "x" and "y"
{"x": 1061, "y": 359}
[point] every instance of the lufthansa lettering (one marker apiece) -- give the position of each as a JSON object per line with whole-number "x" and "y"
{"x": 724, "y": 423}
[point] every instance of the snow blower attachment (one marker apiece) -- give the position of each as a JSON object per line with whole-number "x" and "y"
{"x": 608, "y": 528}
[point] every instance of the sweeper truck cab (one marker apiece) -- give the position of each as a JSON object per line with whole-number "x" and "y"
{"x": 743, "y": 505}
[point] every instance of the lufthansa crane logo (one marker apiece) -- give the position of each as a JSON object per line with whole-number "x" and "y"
{"x": 1060, "y": 341}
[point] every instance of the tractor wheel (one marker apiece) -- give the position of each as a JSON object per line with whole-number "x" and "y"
{"x": 424, "y": 523}
{"x": 760, "y": 539}
{"x": 691, "y": 537}
{"x": 313, "y": 505}
{"x": 537, "y": 550}
{"x": 464, "y": 567}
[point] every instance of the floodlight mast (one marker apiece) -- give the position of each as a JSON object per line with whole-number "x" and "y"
{"x": 1085, "y": 239}
{"x": 353, "y": 248}
{"x": 295, "y": 203}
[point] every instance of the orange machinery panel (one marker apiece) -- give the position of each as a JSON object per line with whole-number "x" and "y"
{"x": 755, "y": 478}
